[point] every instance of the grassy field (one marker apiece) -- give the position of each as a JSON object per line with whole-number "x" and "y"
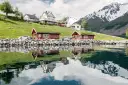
{"x": 14, "y": 29}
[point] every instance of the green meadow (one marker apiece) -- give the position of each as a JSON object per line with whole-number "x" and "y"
{"x": 10, "y": 28}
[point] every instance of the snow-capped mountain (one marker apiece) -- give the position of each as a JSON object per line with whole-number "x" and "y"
{"x": 110, "y": 12}
{"x": 111, "y": 19}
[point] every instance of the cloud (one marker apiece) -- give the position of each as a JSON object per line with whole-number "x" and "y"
{"x": 71, "y": 8}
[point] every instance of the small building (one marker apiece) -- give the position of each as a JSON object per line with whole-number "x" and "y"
{"x": 78, "y": 36}
{"x": 31, "y": 18}
{"x": 44, "y": 35}
{"x": 47, "y": 18}
{"x": 62, "y": 24}
{"x": 75, "y": 35}
{"x": 76, "y": 26}
{"x": 87, "y": 36}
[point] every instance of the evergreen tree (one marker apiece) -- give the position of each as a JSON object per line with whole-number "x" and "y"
{"x": 6, "y": 8}
{"x": 17, "y": 13}
{"x": 84, "y": 24}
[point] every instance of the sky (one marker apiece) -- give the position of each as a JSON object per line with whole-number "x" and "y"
{"x": 61, "y": 8}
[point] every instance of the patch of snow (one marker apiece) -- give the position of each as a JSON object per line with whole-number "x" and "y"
{"x": 110, "y": 12}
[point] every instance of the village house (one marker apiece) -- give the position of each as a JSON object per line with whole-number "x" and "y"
{"x": 83, "y": 36}
{"x": 76, "y": 26}
{"x": 31, "y": 18}
{"x": 87, "y": 36}
{"x": 76, "y": 35}
{"x": 62, "y": 24}
{"x": 47, "y": 18}
{"x": 45, "y": 35}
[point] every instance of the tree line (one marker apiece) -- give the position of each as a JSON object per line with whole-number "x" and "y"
{"x": 7, "y": 8}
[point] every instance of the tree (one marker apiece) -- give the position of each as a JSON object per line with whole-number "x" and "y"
{"x": 6, "y": 8}
{"x": 84, "y": 24}
{"x": 65, "y": 19}
{"x": 16, "y": 12}
{"x": 127, "y": 33}
{"x": 21, "y": 16}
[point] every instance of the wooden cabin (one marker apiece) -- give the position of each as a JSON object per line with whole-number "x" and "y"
{"x": 87, "y": 36}
{"x": 44, "y": 35}
{"x": 61, "y": 24}
{"x": 76, "y": 35}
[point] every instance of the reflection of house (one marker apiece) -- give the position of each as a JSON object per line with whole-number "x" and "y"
{"x": 43, "y": 53}
{"x": 65, "y": 61}
{"x": 85, "y": 50}
{"x": 76, "y": 26}
{"x": 47, "y": 18}
{"x": 78, "y": 50}
{"x": 31, "y": 18}
{"x": 76, "y": 35}
{"x": 44, "y": 35}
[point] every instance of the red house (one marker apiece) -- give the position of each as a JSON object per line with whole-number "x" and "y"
{"x": 76, "y": 35}
{"x": 44, "y": 35}
{"x": 87, "y": 36}
{"x": 62, "y": 24}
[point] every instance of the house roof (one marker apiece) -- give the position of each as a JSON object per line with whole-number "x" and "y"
{"x": 75, "y": 33}
{"x": 87, "y": 34}
{"x": 76, "y": 24}
{"x": 31, "y": 16}
{"x": 33, "y": 31}
{"x": 48, "y": 33}
{"x": 49, "y": 14}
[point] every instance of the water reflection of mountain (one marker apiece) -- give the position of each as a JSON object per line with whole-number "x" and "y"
{"x": 108, "y": 62}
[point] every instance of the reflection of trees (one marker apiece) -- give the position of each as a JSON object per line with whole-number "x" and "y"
{"x": 102, "y": 57}
{"x": 110, "y": 69}
{"x": 105, "y": 67}
{"x": 7, "y": 76}
{"x": 107, "y": 60}
{"x": 7, "y": 71}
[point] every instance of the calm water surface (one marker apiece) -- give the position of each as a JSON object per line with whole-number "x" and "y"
{"x": 58, "y": 66}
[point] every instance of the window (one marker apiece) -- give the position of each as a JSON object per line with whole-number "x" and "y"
{"x": 45, "y": 36}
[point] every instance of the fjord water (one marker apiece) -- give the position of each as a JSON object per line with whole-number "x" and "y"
{"x": 57, "y": 66}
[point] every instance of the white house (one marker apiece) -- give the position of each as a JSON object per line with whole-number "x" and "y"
{"x": 76, "y": 26}
{"x": 47, "y": 18}
{"x": 31, "y": 18}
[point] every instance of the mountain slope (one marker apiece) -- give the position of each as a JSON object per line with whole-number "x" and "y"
{"x": 13, "y": 29}
{"x": 111, "y": 19}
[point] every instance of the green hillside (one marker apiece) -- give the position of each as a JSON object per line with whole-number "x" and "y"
{"x": 11, "y": 28}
